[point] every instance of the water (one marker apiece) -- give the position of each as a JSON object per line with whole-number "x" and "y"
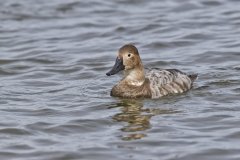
{"x": 54, "y": 93}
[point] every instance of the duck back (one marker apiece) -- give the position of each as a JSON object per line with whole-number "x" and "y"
{"x": 168, "y": 81}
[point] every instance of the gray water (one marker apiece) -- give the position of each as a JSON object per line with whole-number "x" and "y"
{"x": 54, "y": 94}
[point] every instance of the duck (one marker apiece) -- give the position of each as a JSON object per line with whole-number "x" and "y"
{"x": 152, "y": 83}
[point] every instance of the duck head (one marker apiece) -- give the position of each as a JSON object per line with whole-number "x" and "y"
{"x": 128, "y": 59}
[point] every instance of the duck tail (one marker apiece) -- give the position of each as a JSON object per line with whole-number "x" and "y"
{"x": 193, "y": 77}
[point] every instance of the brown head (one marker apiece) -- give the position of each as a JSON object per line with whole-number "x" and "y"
{"x": 128, "y": 58}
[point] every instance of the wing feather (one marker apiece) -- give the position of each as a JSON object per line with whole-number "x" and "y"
{"x": 168, "y": 81}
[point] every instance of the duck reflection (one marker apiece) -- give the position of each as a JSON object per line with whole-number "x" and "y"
{"x": 137, "y": 118}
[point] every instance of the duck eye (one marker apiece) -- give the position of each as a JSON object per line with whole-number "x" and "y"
{"x": 129, "y": 55}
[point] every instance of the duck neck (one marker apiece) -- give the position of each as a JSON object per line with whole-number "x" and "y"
{"x": 135, "y": 77}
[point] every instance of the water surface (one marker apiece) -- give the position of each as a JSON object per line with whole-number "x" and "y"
{"x": 54, "y": 93}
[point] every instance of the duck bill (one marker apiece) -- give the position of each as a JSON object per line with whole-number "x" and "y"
{"x": 118, "y": 66}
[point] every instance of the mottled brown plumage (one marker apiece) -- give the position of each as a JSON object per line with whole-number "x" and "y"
{"x": 126, "y": 90}
{"x": 154, "y": 84}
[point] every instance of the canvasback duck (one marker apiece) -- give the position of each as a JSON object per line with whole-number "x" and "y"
{"x": 154, "y": 83}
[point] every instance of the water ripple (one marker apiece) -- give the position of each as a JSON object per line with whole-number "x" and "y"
{"x": 54, "y": 94}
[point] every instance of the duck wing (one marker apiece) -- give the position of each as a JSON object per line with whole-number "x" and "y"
{"x": 169, "y": 81}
